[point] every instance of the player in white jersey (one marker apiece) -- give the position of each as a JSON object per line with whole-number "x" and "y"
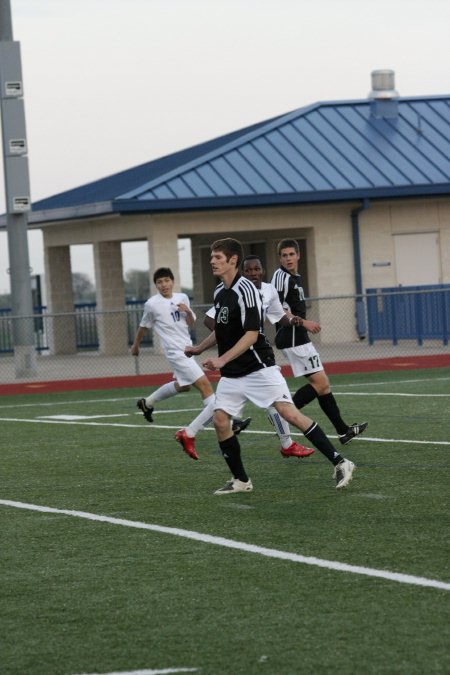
{"x": 170, "y": 315}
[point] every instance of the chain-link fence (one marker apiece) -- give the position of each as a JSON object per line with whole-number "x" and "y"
{"x": 88, "y": 343}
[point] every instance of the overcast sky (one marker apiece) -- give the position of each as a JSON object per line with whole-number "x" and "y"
{"x": 110, "y": 84}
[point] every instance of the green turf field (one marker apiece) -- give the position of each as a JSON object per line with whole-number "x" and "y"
{"x": 86, "y": 595}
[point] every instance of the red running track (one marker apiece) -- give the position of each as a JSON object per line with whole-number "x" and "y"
{"x": 332, "y": 368}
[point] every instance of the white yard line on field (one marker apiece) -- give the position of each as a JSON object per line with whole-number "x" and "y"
{"x": 148, "y": 427}
{"x": 392, "y": 382}
{"x": 74, "y": 418}
{"x": 164, "y": 671}
{"x": 239, "y": 545}
{"x": 388, "y": 393}
{"x": 88, "y": 401}
{"x": 70, "y": 418}
{"x": 338, "y": 387}
{"x": 44, "y": 404}
{"x": 91, "y": 424}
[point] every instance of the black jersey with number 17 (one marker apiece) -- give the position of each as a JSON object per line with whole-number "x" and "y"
{"x": 238, "y": 310}
{"x": 292, "y": 297}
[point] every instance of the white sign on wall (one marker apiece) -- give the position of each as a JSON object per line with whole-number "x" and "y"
{"x": 417, "y": 259}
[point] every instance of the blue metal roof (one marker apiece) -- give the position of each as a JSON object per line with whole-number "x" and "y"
{"x": 107, "y": 189}
{"x": 329, "y": 151}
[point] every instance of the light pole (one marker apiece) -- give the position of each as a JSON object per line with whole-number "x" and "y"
{"x": 17, "y": 193}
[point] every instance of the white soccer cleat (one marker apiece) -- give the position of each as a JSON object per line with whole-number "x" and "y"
{"x": 235, "y": 485}
{"x": 343, "y": 472}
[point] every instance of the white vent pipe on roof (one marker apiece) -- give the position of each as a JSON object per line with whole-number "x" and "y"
{"x": 383, "y": 85}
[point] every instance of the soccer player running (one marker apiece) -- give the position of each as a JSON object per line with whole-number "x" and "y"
{"x": 248, "y": 371}
{"x": 171, "y": 316}
{"x": 273, "y": 311}
{"x": 296, "y": 346}
{"x": 253, "y": 270}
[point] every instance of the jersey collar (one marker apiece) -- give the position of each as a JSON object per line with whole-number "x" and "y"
{"x": 290, "y": 273}
{"x": 235, "y": 280}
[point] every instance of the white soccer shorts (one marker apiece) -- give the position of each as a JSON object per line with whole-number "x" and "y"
{"x": 303, "y": 359}
{"x": 185, "y": 369}
{"x": 263, "y": 388}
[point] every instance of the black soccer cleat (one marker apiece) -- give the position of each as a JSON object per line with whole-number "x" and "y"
{"x": 146, "y": 410}
{"x": 353, "y": 430}
{"x": 240, "y": 425}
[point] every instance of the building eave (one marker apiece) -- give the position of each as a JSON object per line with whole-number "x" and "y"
{"x": 219, "y": 203}
{"x": 71, "y": 213}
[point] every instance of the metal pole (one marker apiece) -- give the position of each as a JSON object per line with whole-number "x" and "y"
{"x": 17, "y": 194}
{"x": 360, "y": 311}
{"x": 5, "y": 21}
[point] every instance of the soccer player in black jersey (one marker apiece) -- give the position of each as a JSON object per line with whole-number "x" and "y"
{"x": 303, "y": 357}
{"x": 248, "y": 371}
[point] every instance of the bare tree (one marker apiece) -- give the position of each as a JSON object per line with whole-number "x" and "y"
{"x": 83, "y": 288}
{"x": 137, "y": 284}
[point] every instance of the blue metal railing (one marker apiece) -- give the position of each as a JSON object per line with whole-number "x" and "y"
{"x": 409, "y": 313}
{"x": 85, "y": 326}
{"x": 414, "y": 313}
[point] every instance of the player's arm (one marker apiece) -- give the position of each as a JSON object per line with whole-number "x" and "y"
{"x": 277, "y": 315}
{"x": 194, "y": 350}
{"x": 291, "y": 320}
{"x": 210, "y": 319}
{"x": 137, "y": 340}
{"x": 245, "y": 342}
{"x": 209, "y": 322}
{"x": 311, "y": 326}
{"x": 190, "y": 316}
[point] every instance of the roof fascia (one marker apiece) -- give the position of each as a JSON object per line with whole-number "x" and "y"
{"x": 72, "y": 212}
{"x": 132, "y": 205}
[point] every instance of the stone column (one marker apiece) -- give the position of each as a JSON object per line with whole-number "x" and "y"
{"x": 163, "y": 252}
{"x": 58, "y": 279}
{"x": 112, "y": 326}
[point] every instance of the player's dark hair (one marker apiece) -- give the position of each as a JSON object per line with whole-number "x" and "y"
{"x": 288, "y": 243}
{"x": 229, "y": 247}
{"x": 163, "y": 272}
{"x": 251, "y": 257}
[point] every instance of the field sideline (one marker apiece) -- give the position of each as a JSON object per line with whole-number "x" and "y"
{"x": 241, "y": 546}
{"x": 117, "y": 558}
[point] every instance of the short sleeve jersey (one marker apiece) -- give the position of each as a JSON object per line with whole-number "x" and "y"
{"x": 238, "y": 309}
{"x": 292, "y": 297}
{"x": 163, "y": 315}
{"x": 272, "y": 307}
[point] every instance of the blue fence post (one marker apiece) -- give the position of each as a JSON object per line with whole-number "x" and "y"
{"x": 371, "y": 309}
{"x": 445, "y": 316}
{"x": 419, "y": 317}
{"x": 393, "y": 302}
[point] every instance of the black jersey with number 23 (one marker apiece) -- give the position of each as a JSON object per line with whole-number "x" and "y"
{"x": 238, "y": 310}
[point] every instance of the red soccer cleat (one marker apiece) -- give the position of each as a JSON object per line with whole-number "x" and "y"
{"x": 188, "y": 444}
{"x": 296, "y": 450}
